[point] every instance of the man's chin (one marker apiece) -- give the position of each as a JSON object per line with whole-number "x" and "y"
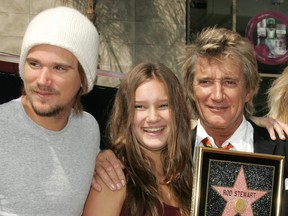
{"x": 217, "y": 124}
{"x": 51, "y": 112}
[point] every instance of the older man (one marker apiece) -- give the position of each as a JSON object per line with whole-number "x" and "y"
{"x": 221, "y": 80}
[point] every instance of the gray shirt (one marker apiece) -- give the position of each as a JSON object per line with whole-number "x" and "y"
{"x": 44, "y": 172}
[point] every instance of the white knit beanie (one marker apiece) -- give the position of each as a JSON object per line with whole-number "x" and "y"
{"x": 66, "y": 28}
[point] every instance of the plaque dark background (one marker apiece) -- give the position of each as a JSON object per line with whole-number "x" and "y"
{"x": 222, "y": 170}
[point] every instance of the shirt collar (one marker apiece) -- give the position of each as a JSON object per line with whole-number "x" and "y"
{"x": 242, "y": 138}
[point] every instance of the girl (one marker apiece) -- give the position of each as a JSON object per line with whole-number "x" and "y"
{"x": 150, "y": 133}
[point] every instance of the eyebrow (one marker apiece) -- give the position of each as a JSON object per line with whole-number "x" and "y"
{"x": 159, "y": 101}
{"x": 31, "y": 59}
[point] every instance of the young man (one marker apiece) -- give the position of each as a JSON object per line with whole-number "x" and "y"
{"x": 48, "y": 144}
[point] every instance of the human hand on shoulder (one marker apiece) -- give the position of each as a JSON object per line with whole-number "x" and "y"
{"x": 110, "y": 170}
{"x": 272, "y": 125}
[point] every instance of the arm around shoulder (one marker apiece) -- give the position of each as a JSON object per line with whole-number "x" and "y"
{"x": 105, "y": 202}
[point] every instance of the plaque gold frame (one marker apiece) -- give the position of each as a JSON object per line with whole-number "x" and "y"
{"x": 206, "y": 158}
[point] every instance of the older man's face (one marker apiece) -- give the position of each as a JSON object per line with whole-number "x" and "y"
{"x": 220, "y": 94}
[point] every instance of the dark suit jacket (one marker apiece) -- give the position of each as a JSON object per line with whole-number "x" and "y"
{"x": 263, "y": 144}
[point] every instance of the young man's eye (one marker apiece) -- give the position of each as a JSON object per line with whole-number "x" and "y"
{"x": 33, "y": 64}
{"x": 60, "y": 68}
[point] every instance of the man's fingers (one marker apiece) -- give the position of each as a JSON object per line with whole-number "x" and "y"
{"x": 279, "y": 130}
{"x": 109, "y": 169}
{"x": 273, "y": 126}
{"x": 95, "y": 185}
{"x": 283, "y": 128}
{"x": 279, "y": 127}
{"x": 272, "y": 132}
{"x": 119, "y": 169}
{"x": 108, "y": 175}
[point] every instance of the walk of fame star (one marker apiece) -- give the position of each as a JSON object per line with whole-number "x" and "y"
{"x": 239, "y": 198}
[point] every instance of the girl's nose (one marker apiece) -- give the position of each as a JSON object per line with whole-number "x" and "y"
{"x": 153, "y": 115}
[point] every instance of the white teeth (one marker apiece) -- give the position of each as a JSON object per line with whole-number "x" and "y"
{"x": 153, "y": 129}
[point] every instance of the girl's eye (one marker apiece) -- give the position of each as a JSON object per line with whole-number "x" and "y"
{"x": 139, "y": 107}
{"x": 164, "y": 106}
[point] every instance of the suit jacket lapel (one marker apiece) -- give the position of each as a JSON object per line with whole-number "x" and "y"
{"x": 262, "y": 140}
{"x": 194, "y": 139}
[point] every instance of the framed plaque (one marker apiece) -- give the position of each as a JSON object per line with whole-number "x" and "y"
{"x": 236, "y": 183}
